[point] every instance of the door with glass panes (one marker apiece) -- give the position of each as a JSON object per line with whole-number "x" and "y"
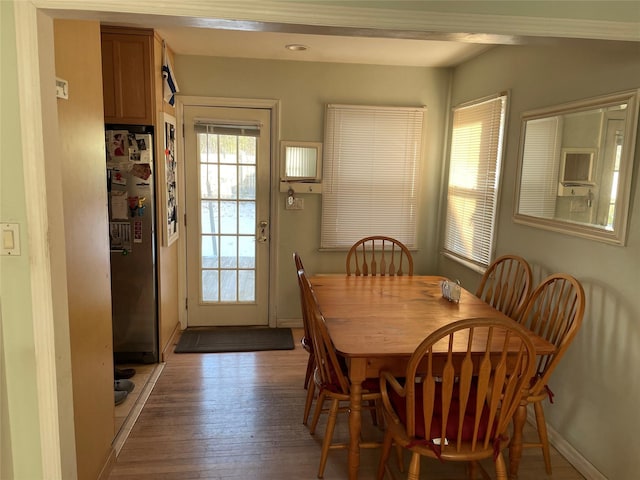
{"x": 227, "y": 168}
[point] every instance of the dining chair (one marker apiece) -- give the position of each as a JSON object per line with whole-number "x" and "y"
{"x": 458, "y": 406}
{"x": 506, "y": 284}
{"x": 379, "y": 255}
{"x": 306, "y": 341}
{"x": 331, "y": 379}
{"x": 554, "y": 312}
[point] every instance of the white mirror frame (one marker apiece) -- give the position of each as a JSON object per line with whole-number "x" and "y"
{"x": 617, "y": 235}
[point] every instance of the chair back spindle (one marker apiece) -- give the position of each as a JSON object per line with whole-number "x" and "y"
{"x": 506, "y": 285}
{"x": 379, "y": 255}
{"x": 461, "y": 389}
{"x": 554, "y": 312}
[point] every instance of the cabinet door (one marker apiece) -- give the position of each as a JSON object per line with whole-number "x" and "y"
{"x": 127, "y": 77}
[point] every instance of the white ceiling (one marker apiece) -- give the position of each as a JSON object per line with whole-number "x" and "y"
{"x": 321, "y": 48}
{"x": 417, "y": 33}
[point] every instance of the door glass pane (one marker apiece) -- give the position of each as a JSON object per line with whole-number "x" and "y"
{"x": 229, "y": 291}
{"x": 228, "y": 251}
{"x": 208, "y": 181}
{"x": 227, "y": 217}
{"x": 247, "y": 147}
{"x": 210, "y": 290}
{"x": 209, "y": 217}
{"x": 247, "y": 189}
{"x": 228, "y": 181}
{"x": 247, "y": 252}
{"x": 210, "y": 249}
{"x": 247, "y": 217}
{"x": 208, "y": 148}
{"x": 228, "y": 149}
{"x": 247, "y": 285}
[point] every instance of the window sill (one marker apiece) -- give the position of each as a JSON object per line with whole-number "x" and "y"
{"x": 465, "y": 263}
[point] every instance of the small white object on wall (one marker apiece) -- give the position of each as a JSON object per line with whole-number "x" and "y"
{"x": 10, "y": 239}
{"x": 62, "y": 88}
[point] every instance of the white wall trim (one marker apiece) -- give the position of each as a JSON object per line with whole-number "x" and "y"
{"x": 570, "y": 454}
{"x": 33, "y": 155}
{"x": 420, "y": 24}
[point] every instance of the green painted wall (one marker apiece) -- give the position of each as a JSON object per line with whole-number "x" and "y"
{"x": 19, "y": 425}
{"x": 596, "y": 388}
{"x": 304, "y": 88}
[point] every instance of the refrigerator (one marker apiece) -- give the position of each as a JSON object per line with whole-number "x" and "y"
{"x": 132, "y": 238}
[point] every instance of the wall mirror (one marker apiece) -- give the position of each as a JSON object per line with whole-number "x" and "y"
{"x": 301, "y": 161}
{"x": 576, "y": 162}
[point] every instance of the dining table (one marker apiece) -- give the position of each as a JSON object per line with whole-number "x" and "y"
{"x": 376, "y": 323}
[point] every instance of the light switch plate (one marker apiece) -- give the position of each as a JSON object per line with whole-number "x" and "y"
{"x": 10, "y": 234}
{"x": 298, "y": 204}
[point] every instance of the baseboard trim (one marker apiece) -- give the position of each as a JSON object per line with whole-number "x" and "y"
{"x": 128, "y": 424}
{"x": 565, "y": 449}
{"x": 289, "y": 323}
{"x": 173, "y": 339}
{"x": 108, "y": 465}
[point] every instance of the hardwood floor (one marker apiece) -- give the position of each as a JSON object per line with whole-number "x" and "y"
{"x": 239, "y": 416}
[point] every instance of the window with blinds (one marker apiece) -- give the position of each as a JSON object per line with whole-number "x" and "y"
{"x": 474, "y": 174}
{"x": 540, "y": 168}
{"x": 371, "y": 171}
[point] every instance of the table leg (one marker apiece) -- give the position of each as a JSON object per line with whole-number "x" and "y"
{"x": 355, "y": 427}
{"x": 356, "y": 376}
{"x": 515, "y": 447}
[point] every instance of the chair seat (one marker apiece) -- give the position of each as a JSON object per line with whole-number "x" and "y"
{"x": 370, "y": 385}
{"x": 451, "y": 429}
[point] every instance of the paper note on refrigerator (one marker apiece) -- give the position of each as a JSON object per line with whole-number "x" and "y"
{"x": 120, "y": 236}
{"x": 119, "y": 207}
{"x": 117, "y": 144}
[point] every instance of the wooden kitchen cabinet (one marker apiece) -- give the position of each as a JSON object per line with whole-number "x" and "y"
{"x": 127, "y": 75}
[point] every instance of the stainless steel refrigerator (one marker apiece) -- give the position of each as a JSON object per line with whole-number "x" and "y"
{"x": 132, "y": 232}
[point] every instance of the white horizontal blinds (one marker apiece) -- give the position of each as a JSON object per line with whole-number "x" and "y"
{"x": 224, "y": 127}
{"x": 371, "y": 164}
{"x": 540, "y": 163}
{"x": 474, "y": 173}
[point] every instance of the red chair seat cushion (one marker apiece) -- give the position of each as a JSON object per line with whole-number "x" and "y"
{"x": 451, "y": 428}
{"x": 370, "y": 385}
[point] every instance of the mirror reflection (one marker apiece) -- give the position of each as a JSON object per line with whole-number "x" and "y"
{"x": 301, "y": 161}
{"x": 575, "y": 167}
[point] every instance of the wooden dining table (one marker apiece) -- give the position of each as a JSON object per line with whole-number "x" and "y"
{"x": 376, "y": 323}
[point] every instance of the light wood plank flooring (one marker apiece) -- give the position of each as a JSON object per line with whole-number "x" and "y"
{"x": 239, "y": 416}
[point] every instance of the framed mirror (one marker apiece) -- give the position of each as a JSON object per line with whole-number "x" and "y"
{"x": 300, "y": 161}
{"x": 576, "y": 162}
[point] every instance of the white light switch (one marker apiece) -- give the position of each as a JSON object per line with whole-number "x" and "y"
{"x": 10, "y": 239}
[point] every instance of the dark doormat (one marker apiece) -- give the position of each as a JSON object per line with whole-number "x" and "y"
{"x": 234, "y": 339}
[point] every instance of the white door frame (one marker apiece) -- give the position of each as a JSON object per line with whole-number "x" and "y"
{"x": 274, "y": 106}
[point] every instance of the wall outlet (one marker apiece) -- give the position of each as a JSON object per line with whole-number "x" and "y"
{"x": 298, "y": 204}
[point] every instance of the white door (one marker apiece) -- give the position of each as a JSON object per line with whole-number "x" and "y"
{"x": 227, "y": 168}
